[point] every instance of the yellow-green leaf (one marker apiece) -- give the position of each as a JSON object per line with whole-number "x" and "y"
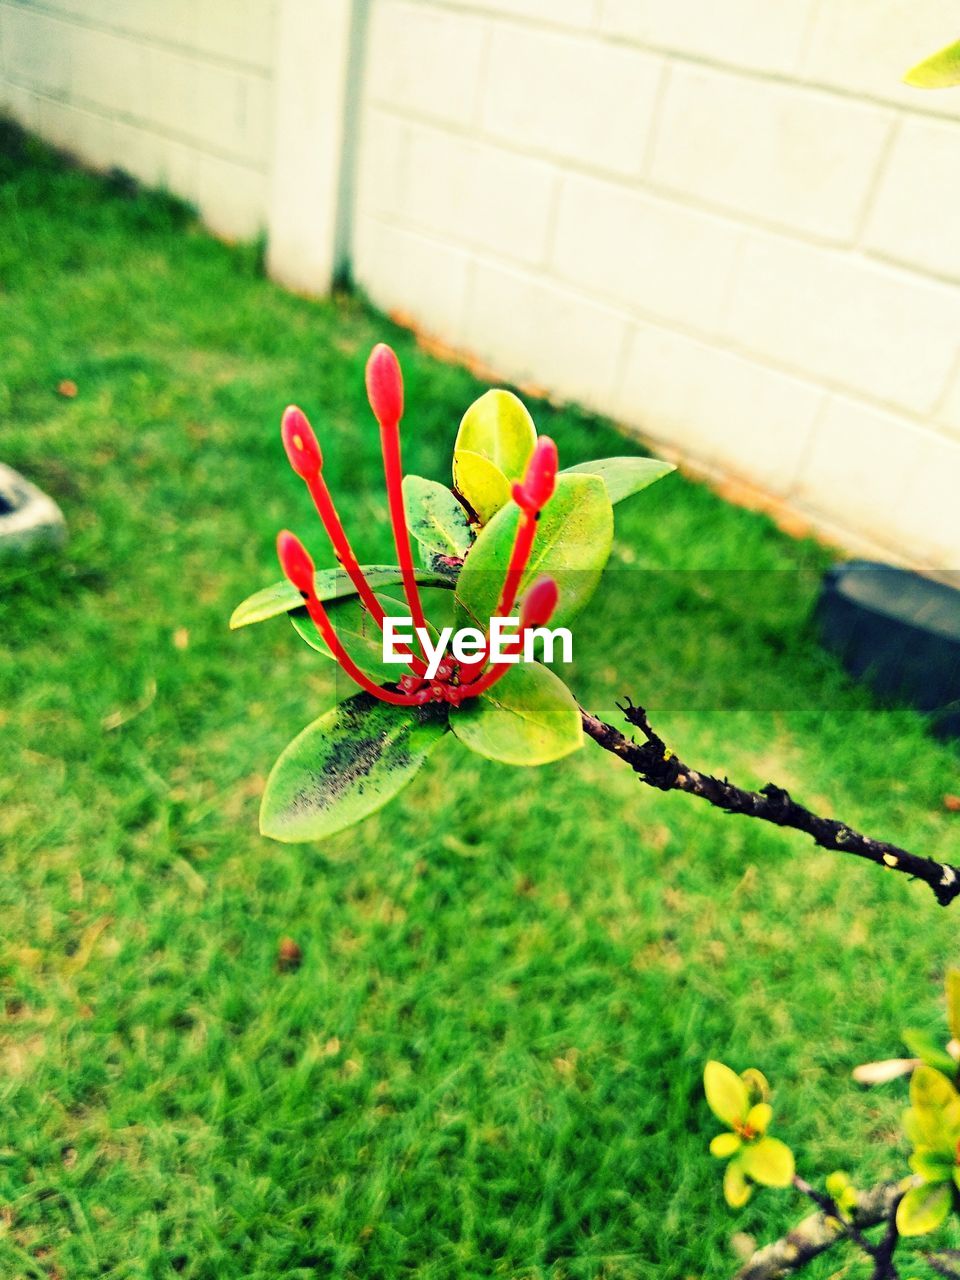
{"x": 736, "y": 1189}
{"x": 435, "y": 518}
{"x": 330, "y": 584}
{"x": 769, "y": 1162}
{"x": 724, "y": 1145}
{"x": 572, "y": 545}
{"x": 498, "y": 427}
{"x": 924, "y": 1046}
{"x": 940, "y": 71}
{"x": 923, "y": 1209}
{"x": 480, "y": 483}
{"x": 623, "y": 476}
{"x": 727, "y": 1095}
{"x": 346, "y": 765}
{"x": 359, "y": 634}
{"x": 528, "y": 717}
{"x": 757, "y": 1084}
{"x": 759, "y": 1117}
{"x": 936, "y": 1107}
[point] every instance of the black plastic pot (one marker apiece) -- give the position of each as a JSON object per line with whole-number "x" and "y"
{"x": 899, "y": 632}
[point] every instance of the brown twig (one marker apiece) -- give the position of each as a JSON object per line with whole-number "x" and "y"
{"x": 819, "y": 1232}
{"x": 658, "y": 767}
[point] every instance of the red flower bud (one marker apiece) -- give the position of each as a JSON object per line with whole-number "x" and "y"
{"x": 295, "y": 562}
{"x": 538, "y": 604}
{"x": 385, "y": 385}
{"x": 300, "y": 443}
{"x": 540, "y": 478}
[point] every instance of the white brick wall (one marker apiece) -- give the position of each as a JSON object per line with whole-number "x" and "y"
{"x": 730, "y": 226}
{"x": 178, "y": 94}
{"x": 727, "y": 225}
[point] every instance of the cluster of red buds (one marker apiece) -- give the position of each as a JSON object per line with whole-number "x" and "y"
{"x": 453, "y": 681}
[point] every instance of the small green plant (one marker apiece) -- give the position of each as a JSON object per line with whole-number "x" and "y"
{"x": 916, "y": 1205}
{"x": 512, "y": 529}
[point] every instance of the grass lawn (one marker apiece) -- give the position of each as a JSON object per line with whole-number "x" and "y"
{"x": 488, "y": 1064}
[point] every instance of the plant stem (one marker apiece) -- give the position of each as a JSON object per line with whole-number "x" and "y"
{"x": 819, "y": 1232}
{"x": 658, "y": 767}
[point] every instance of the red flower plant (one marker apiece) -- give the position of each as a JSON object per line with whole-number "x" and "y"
{"x": 454, "y": 681}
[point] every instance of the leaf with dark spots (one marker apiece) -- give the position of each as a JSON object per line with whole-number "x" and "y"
{"x": 346, "y": 765}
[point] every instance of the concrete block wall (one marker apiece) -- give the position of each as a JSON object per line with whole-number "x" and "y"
{"x": 729, "y": 226}
{"x": 178, "y": 93}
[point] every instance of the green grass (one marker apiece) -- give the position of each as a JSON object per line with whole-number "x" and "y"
{"x": 488, "y": 1064}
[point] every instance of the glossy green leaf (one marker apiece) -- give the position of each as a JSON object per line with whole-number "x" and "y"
{"x": 359, "y": 634}
{"x": 528, "y": 717}
{"x": 436, "y": 520}
{"x": 331, "y": 584}
{"x": 940, "y": 71}
{"x": 480, "y": 483}
{"x": 769, "y": 1162}
{"x": 573, "y": 541}
{"x": 345, "y": 766}
{"x": 725, "y": 1145}
{"x": 736, "y": 1189}
{"x": 623, "y": 476}
{"x": 498, "y": 427}
{"x": 923, "y": 1045}
{"x": 923, "y": 1209}
{"x": 727, "y": 1095}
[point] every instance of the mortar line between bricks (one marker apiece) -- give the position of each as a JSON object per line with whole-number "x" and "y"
{"x": 705, "y": 338}
{"x": 609, "y": 38}
{"x": 632, "y": 185}
{"x": 84, "y": 105}
{"x": 128, "y": 34}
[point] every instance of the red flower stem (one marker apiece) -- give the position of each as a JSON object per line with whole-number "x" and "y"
{"x": 390, "y": 445}
{"x": 519, "y": 558}
{"x": 321, "y": 620}
{"x": 345, "y": 555}
{"x": 516, "y": 568}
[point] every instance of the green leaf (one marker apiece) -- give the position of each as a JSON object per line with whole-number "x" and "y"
{"x": 931, "y": 1088}
{"x": 331, "y": 584}
{"x": 359, "y": 634}
{"x": 953, "y": 1004}
{"x": 528, "y": 717}
{"x": 435, "y": 518}
{"x": 736, "y": 1189}
{"x": 923, "y": 1209}
{"x": 933, "y": 1166}
{"x": 498, "y": 428}
{"x": 724, "y": 1145}
{"x": 346, "y": 765}
{"x": 933, "y": 1121}
{"x": 940, "y": 71}
{"x": 480, "y": 483}
{"x": 573, "y": 541}
{"x": 769, "y": 1162}
{"x": 757, "y": 1084}
{"x": 727, "y": 1095}
{"x": 623, "y": 476}
{"x": 923, "y": 1045}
